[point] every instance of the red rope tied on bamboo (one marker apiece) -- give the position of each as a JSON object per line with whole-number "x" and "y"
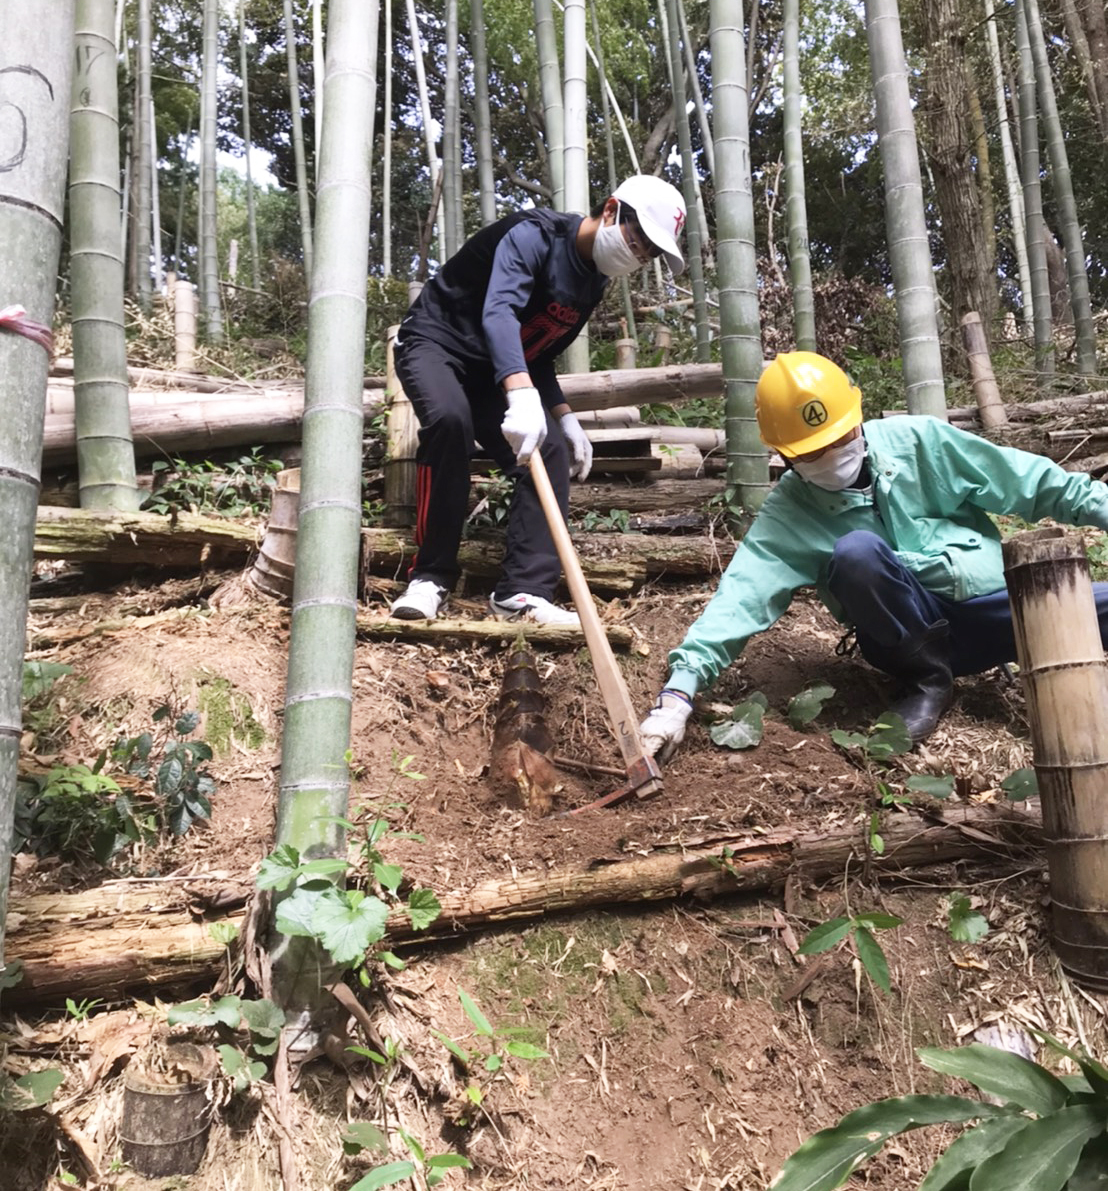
{"x": 14, "y": 318}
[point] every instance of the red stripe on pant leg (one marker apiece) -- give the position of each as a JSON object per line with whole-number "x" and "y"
{"x": 423, "y": 500}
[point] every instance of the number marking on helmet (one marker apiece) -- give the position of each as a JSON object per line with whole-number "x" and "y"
{"x": 814, "y": 413}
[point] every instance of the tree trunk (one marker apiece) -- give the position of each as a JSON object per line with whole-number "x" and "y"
{"x": 105, "y": 455}
{"x": 315, "y": 782}
{"x": 386, "y": 156}
{"x": 1096, "y": 31}
{"x": 972, "y": 286}
{"x": 120, "y": 937}
{"x": 451, "y": 151}
{"x": 35, "y": 89}
{"x": 740, "y": 332}
{"x": 1075, "y": 28}
{"x": 433, "y": 164}
{"x": 909, "y": 252}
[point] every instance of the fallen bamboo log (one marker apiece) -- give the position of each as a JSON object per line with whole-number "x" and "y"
{"x": 149, "y": 539}
{"x": 486, "y": 632}
{"x": 1031, "y": 411}
{"x": 614, "y": 564}
{"x": 273, "y": 415}
{"x": 128, "y": 935}
{"x": 672, "y": 496}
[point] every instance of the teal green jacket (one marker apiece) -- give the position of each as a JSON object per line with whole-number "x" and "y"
{"x": 933, "y": 488}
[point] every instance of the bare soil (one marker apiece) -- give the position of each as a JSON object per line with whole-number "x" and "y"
{"x": 689, "y": 1045}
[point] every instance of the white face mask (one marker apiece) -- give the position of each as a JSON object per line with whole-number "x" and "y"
{"x": 611, "y": 253}
{"x": 837, "y": 468}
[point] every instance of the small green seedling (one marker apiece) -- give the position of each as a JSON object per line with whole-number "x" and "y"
{"x": 363, "y": 1136}
{"x": 888, "y": 738}
{"x": 806, "y": 706}
{"x": 965, "y": 924}
{"x": 745, "y": 727}
{"x": 857, "y": 930}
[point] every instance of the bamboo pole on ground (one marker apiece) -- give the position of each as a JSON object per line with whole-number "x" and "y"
{"x": 1065, "y": 680}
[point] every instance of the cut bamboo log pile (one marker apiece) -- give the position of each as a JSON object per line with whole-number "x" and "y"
{"x": 123, "y": 936}
{"x": 207, "y": 421}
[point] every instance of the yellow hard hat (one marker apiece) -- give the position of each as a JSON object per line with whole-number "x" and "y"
{"x": 804, "y": 403}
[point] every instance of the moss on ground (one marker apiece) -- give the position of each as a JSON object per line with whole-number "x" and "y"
{"x": 228, "y": 717}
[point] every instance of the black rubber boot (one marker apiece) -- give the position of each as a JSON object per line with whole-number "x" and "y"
{"x": 922, "y": 666}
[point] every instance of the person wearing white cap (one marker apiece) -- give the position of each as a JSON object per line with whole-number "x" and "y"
{"x": 476, "y": 355}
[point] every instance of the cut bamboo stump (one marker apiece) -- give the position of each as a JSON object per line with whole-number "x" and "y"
{"x": 990, "y": 404}
{"x": 275, "y": 567}
{"x": 402, "y": 438}
{"x": 167, "y": 1114}
{"x": 104, "y": 941}
{"x": 1065, "y": 680}
{"x": 184, "y": 326}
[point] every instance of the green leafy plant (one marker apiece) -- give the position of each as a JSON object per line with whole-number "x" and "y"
{"x": 43, "y": 712}
{"x": 182, "y": 785}
{"x": 491, "y": 511}
{"x": 262, "y": 1019}
{"x": 888, "y": 738}
{"x": 496, "y": 1044}
{"x": 1020, "y": 785}
{"x": 29, "y": 1091}
{"x": 965, "y": 924}
{"x": 613, "y": 521}
{"x": 232, "y": 489}
{"x": 744, "y": 728}
{"x": 362, "y": 1136}
{"x": 1046, "y": 1134}
{"x": 80, "y": 1010}
{"x": 806, "y": 706}
{"x": 857, "y": 931}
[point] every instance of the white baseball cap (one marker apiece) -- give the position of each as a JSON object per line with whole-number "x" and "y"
{"x": 660, "y": 210}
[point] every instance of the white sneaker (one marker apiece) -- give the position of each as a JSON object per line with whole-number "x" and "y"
{"x": 422, "y": 600}
{"x": 533, "y": 608}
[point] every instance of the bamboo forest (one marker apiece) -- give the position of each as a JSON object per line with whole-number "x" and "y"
{"x": 555, "y": 595}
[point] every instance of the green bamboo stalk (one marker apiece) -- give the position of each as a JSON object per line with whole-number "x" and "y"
{"x": 35, "y": 90}
{"x": 550, "y": 82}
{"x": 144, "y": 163}
{"x": 906, "y": 224}
{"x": 1033, "y": 203}
{"x": 576, "y": 150}
{"x": 451, "y": 155}
{"x": 251, "y": 217}
{"x": 610, "y": 151}
{"x": 209, "y": 250}
{"x": 740, "y": 329}
{"x": 315, "y": 777}
{"x": 796, "y": 209}
{"x": 1062, "y": 182}
{"x": 482, "y": 117}
{"x": 105, "y": 452}
{"x": 688, "y": 186}
{"x": 298, "y": 154}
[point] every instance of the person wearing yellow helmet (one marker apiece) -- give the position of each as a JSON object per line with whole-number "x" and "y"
{"x": 889, "y": 521}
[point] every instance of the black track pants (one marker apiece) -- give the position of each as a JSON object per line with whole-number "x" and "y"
{"x": 459, "y": 406}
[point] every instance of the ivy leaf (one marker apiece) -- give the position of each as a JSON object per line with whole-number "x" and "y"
{"x": 423, "y": 908}
{"x": 1020, "y": 785}
{"x": 266, "y": 1021}
{"x": 348, "y": 923}
{"x": 32, "y": 1090}
{"x": 966, "y": 925}
{"x": 279, "y": 869}
{"x": 743, "y": 730}
{"x": 808, "y": 704}
{"x": 296, "y": 913}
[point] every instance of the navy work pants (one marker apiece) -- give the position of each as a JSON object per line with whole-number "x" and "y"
{"x": 890, "y": 609}
{"x": 460, "y": 405}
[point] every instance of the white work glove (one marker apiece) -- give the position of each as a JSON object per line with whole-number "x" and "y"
{"x": 579, "y": 445}
{"x": 664, "y": 728}
{"x": 524, "y": 424}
